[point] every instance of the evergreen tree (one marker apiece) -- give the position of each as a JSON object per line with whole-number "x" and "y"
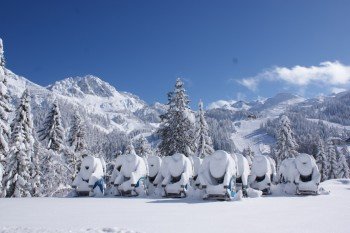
{"x": 53, "y": 131}
{"x": 333, "y": 160}
{"x": 203, "y": 141}
{"x": 54, "y": 179}
{"x": 286, "y": 145}
{"x": 2, "y": 57}
{"x": 36, "y": 172}
{"x": 77, "y": 143}
{"x": 17, "y": 179}
{"x": 322, "y": 161}
{"x": 177, "y": 129}
{"x": 4, "y": 124}
{"x": 143, "y": 148}
{"x": 249, "y": 154}
{"x": 343, "y": 168}
{"x": 77, "y": 134}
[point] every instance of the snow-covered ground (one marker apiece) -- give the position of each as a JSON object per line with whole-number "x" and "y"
{"x": 323, "y": 213}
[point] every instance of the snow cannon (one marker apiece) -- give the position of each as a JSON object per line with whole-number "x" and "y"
{"x": 131, "y": 178}
{"x": 163, "y": 171}
{"x": 90, "y": 179}
{"x": 218, "y": 176}
{"x": 286, "y": 171}
{"x": 307, "y": 177}
{"x": 177, "y": 180}
{"x": 196, "y": 165}
{"x": 117, "y": 166}
{"x": 243, "y": 171}
{"x": 261, "y": 174}
{"x": 154, "y": 164}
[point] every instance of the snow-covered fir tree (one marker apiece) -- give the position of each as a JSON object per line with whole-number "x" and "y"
{"x": 286, "y": 146}
{"x": 36, "y": 172}
{"x": 77, "y": 144}
{"x": 2, "y": 57}
{"x": 203, "y": 141}
{"x": 343, "y": 167}
{"x": 55, "y": 178}
{"x": 4, "y": 124}
{"x": 322, "y": 160}
{"x": 177, "y": 128}
{"x": 249, "y": 154}
{"x": 142, "y": 147}
{"x": 19, "y": 166}
{"x": 77, "y": 134}
{"x": 52, "y": 130}
{"x": 5, "y": 109}
{"x": 333, "y": 160}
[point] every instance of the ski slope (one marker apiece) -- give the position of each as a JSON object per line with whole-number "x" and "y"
{"x": 248, "y": 133}
{"x": 309, "y": 214}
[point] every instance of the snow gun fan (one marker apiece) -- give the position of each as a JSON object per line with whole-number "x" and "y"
{"x": 177, "y": 179}
{"x": 261, "y": 175}
{"x": 131, "y": 178}
{"x": 154, "y": 163}
{"x": 218, "y": 175}
{"x": 117, "y": 164}
{"x": 307, "y": 175}
{"x": 89, "y": 181}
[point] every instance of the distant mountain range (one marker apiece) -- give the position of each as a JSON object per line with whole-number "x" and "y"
{"x": 113, "y": 117}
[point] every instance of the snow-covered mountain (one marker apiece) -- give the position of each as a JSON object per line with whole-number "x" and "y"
{"x": 110, "y": 116}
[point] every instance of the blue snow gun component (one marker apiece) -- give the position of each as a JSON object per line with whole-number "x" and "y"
{"x": 100, "y": 183}
{"x": 230, "y": 189}
{"x": 139, "y": 181}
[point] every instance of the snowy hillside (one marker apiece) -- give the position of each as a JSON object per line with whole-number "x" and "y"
{"x": 247, "y": 118}
{"x": 106, "y": 111}
{"x": 311, "y": 214}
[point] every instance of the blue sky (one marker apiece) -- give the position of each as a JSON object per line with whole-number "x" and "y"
{"x": 222, "y": 49}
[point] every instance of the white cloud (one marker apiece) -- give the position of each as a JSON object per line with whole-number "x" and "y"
{"x": 250, "y": 83}
{"x": 327, "y": 73}
{"x": 337, "y": 90}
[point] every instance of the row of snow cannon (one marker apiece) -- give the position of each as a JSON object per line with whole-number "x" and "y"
{"x": 219, "y": 176}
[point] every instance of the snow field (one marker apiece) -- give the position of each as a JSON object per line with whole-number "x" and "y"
{"x": 276, "y": 213}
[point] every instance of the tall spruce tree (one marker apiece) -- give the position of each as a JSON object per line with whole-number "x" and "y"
{"x": 333, "y": 160}
{"x": 77, "y": 145}
{"x": 36, "y": 172}
{"x": 203, "y": 141}
{"x": 54, "y": 177}
{"x": 286, "y": 145}
{"x": 77, "y": 134}
{"x": 52, "y": 130}
{"x": 322, "y": 160}
{"x": 343, "y": 167}
{"x": 142, "y": 147}
{"x": 19, "y": 166}
{"x": 54, "y": 164}
{"x": 2, "y": 58}
{"x": 5, "y": 109}
{"x": 177, "y": 130}
{"x": 4, "y": 125}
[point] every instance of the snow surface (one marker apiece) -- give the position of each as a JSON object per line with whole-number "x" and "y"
{"x": 280, "y": 213}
